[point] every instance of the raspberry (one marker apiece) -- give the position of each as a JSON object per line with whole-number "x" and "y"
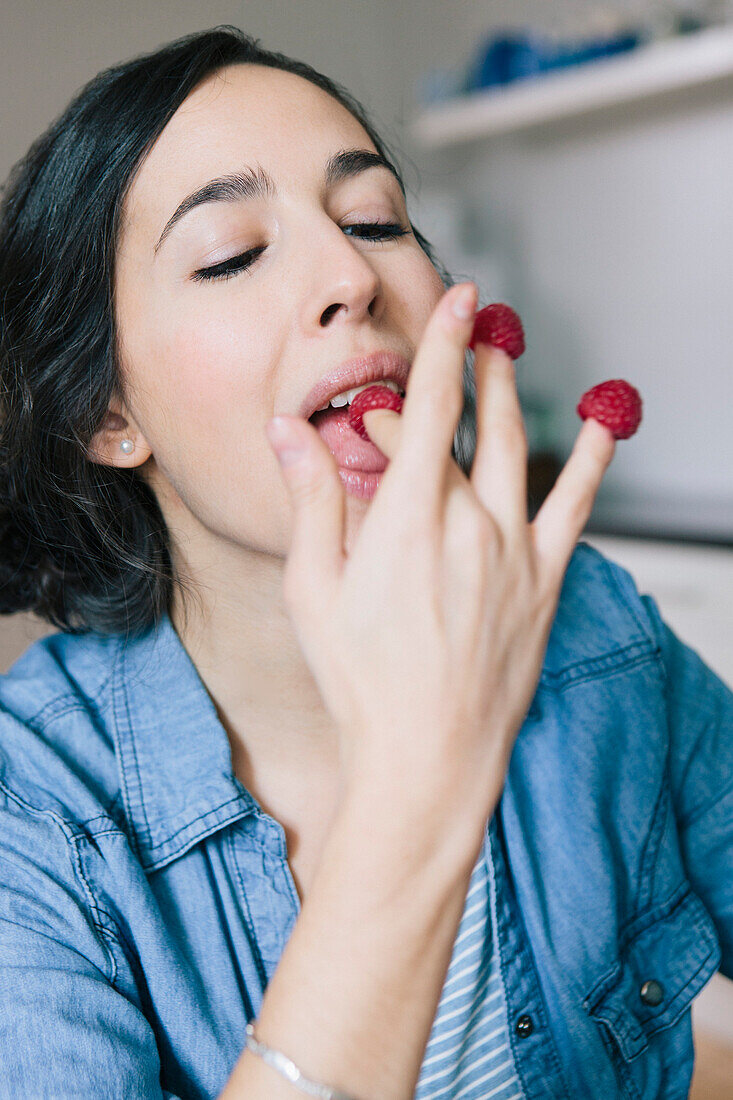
{"x": 616, "y": 404}
{"x": 499, "y": 325}
{"x": 374, "y": 397}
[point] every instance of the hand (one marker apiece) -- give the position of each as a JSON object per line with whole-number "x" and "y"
{"x": 427, "y": 641}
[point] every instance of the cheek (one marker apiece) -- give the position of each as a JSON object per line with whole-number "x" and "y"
{"x": 424, "y": 289}
{"x": 204, "y": 414}
{"x": 207, "y": 365}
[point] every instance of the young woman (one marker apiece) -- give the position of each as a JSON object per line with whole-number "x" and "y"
{"x": 330, "y": 741}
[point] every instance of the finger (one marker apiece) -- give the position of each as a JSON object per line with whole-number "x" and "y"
{"x": 499, "y": 471}
{"x": 434, "y": 399}
{"x": 316, "y": 556}
{"x": 384, "y": 427}
{"x": 561, "y": 519}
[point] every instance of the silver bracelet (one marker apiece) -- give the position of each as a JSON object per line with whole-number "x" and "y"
{"x": 289, "y": 1069}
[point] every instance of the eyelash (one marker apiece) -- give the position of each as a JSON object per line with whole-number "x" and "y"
{"x": 227, "y": 268}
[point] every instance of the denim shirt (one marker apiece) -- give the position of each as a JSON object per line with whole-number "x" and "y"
{"x": 146, "y": 898}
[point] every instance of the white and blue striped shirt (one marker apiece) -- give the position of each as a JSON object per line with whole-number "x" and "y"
{"x": 468, "y": 1056}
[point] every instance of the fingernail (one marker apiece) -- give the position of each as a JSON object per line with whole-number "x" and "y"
{"x": 464, "y": 303}
{"x": 284, "y": 441}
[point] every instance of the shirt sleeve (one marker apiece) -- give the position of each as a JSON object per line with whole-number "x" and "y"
{"x": 65, "y": 1031}
{"x": 700, "y": 711}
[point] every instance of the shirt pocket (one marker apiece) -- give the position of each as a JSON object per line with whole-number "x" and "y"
{"x": 642, "y": 1002}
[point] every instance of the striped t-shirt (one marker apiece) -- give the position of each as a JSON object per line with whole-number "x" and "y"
{"x": 468, "y": 1056}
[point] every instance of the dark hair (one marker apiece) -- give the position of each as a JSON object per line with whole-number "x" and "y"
{"x": 84, "y": 545}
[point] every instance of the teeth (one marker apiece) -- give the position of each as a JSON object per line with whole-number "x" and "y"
{"x": 340, "y": 399}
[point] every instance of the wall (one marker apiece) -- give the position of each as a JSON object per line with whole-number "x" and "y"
{"x": 613, "y": 237}
{"x": 49, "y": 49}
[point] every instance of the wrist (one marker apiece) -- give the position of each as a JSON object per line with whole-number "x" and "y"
{"x": 415, "y": 827}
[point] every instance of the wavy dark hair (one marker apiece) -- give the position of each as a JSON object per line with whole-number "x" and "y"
{"x": 82, "y": 545}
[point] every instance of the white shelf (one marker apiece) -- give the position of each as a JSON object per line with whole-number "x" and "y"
{"x": 663, "y": 66}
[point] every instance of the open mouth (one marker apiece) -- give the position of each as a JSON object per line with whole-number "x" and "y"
{"x": 347, "y": 447}
{"x": 345, "y": 399}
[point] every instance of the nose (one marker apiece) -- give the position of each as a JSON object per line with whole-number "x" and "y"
{"x": 346, "y": 287}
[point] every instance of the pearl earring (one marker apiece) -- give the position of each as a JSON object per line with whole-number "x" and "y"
{"x": 127, "y": 446}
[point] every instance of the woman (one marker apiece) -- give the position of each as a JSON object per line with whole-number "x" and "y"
{"x": 429, "y": 796}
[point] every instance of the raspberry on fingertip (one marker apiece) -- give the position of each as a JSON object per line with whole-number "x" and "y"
{"x": 374, "y": 397}
{"x": 616, "y": 404}
{"x": 499, "y": 325}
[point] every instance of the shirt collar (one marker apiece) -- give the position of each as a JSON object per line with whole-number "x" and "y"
{"x": 174, "y": 754}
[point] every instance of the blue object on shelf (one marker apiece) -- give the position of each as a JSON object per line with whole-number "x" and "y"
{"x": 590, "y": 51}
{"x": 506, "y": 58}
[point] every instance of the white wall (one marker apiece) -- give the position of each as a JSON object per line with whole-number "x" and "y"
{"x": 613, "y": 237}
{"x": 49, "y": 48}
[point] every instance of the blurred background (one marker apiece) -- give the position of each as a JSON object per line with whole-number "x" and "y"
{"x": 573, "y": 159}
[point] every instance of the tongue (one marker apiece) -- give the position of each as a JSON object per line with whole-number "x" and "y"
{"x": 348, "y": 448}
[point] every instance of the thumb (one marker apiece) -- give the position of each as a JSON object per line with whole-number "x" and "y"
{"x": 310, "y": 472}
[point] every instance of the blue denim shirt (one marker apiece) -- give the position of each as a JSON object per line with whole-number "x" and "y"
{"x": 146, "y": 898}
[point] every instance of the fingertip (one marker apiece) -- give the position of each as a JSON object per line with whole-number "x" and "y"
{"x": 381, "y": 428}
{"x": 462, "y": 302}
{"x": 602, "y": 438}
{"x": 496, "y": 356}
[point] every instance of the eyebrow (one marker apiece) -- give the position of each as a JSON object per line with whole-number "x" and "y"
{"x": 251, "y": 184}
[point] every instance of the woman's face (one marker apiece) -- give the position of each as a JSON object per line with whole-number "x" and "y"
{"x": 207, "y": 362}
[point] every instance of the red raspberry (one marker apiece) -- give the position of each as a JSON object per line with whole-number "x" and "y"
{"x": 374, "y": 397}
{"x": 616, "y": 404}
{"x": 499, "y": 325}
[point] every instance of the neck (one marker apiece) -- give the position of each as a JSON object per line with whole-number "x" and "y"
{"x": 242, "y": 642}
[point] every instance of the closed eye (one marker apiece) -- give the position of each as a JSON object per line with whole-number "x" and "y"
{"x": 369, "y": 231}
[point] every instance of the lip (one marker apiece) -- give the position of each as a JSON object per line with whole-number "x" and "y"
{"x": 376, "y": 367}
{"x": 360, "y": 483}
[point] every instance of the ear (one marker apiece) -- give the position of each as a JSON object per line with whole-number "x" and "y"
{"x": 118, "y": 425}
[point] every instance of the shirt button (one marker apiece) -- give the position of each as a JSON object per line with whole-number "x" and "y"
{"x": 651, "y": 993}
{"x": 524, "y": 1027}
